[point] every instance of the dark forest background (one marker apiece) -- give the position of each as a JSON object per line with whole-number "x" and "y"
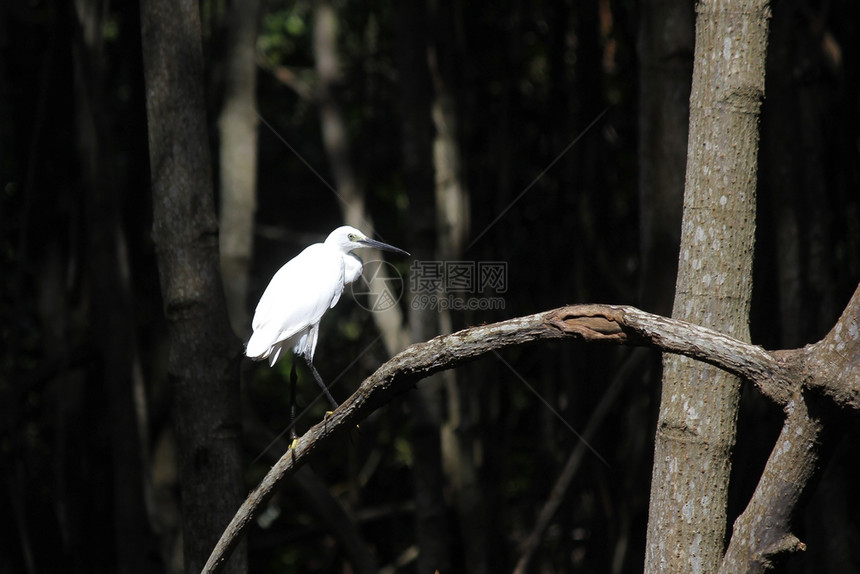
{"x": 595, "y": 221}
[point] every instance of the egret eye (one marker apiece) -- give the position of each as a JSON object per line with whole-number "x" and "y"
{"x": 353, "y": 237}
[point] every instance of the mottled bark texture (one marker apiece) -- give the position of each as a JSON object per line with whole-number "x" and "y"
{"x": 204, "y": 356}
{"x": 826, "y": 380}
{"x": 699, "y": 403}
{"x": 779, "y": 375}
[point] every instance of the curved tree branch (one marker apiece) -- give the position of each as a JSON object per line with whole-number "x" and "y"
{"x": 833, "y": 364}
{"x": 763, "y": 531}
{"x": 327, "y": 509}
{"x": 631, "y": 326}
{"x": 621, "y": 325}
{"x": 832, "y": 368}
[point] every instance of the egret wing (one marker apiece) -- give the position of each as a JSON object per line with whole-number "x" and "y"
{"x": 297, "y": 297}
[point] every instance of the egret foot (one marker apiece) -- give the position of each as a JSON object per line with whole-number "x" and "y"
{"x": 293, "y": 444}
{"x": 326, "y": 416}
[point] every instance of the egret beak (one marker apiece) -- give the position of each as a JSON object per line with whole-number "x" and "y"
{"x": 366, "y": 242}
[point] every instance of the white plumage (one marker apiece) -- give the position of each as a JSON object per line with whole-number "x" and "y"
{"x": 289, "y": 312}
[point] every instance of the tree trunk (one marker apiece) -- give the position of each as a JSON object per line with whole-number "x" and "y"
{"x": 238, "y": 147}
{"x": 698, "y": 410}
{"x": 665, "y": 48}
{"x": 204, "y": 356}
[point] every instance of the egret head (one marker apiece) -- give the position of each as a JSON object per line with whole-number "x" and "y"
{"x": 347, "y": 238}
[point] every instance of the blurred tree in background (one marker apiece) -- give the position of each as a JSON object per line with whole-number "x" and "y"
{"x": 545, "y": 141}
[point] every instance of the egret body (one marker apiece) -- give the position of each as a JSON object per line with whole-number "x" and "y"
{"x": 289, "y": 312}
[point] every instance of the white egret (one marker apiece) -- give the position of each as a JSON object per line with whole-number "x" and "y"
{"x": 289, "y": 312}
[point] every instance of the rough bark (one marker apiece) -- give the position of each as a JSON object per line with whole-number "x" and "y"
{"x": 773, "y": 373}
{"x": 829, "y": 368}
{"x": 237, "y": 126}
{"x": 696, "y": 427}
{"x": 327, "y": 508}
{"x": 203, "y": 354}
{"x": 665, "y": 51}
{"x": 764, "y": 530}
{"x": 832, "y": 366}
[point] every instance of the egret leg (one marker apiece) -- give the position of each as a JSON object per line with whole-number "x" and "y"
{"x": 321, "y": 384}
{"x": 293, "y": 435}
